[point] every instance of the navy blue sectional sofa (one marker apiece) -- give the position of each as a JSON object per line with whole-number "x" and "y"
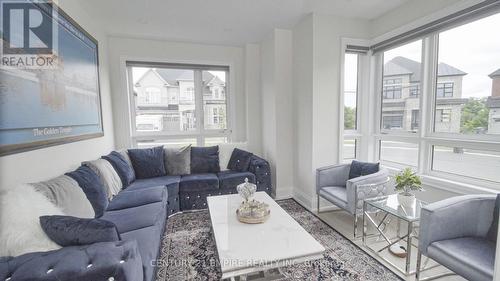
{"x": 140, "y": 212}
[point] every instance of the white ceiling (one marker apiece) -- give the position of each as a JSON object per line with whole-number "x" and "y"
{"x": 225, "y": 22}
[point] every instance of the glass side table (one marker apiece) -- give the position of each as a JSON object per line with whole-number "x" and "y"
{"x": 389, "y": 206}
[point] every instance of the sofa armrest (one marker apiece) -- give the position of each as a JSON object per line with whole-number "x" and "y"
{"x": 335, "y": 175}
{"x": 118, "y": 260}
{"x": 262, "y": 171}
{"x": 364, "y": 187}
{"x": 461, "y": 216}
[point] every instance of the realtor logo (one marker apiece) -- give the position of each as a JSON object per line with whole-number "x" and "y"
{"x": 27, "y": 34}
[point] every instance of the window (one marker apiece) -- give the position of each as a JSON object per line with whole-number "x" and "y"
{"x": 349, "y": 149}
{"x": 480, "y": 164}
{"x": 214, "y": 82}
{"x": 352, "y": 75}
{"x": 401, "y": 76}
{"x": 415, "y": 117}
{"x": 443, "y": 115}
{"x": 350, "y": 91}
{"x": 392, "y": 89}
{"x": 397, "y": 152}
{"x": 444, "y": 122}
{"x": 414, "y": 91}
{"x": 392, "y": 122}
{"x": 444, "y": 90}
{"x": 149, "y": 96}
{"x": 174, "y": 103}
{"x": 468, "y": 59}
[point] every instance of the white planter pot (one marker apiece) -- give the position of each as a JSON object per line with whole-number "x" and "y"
{"x": 406, "y": 200}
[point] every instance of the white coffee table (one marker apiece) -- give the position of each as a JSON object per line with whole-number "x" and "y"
{"x": 249, "y": 248}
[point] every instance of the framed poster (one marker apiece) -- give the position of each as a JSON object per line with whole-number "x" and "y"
{"x": 49, "y": 80}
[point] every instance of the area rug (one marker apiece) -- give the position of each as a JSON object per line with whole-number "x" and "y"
{"x": 189, "y": 253}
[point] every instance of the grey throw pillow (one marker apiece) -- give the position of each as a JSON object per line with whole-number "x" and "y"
{"x": 178, "y": 161}
{"x": 66, "y": 194}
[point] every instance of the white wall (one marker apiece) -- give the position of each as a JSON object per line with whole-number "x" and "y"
{"x": 302, "y": 109}
{"x": 277, "y": 126}
{"x": 123, "y": 49}
{"x": 317, "y": 56}
{"x": 43, "y": 164}
{"x": 407, "y": 13}
{"x": 253, "y": 98}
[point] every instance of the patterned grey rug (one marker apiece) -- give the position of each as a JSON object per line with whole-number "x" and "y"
{"x": 189, "y": 253}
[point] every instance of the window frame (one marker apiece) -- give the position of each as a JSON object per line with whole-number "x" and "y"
{"x": 427, "y": 138}
{"x": 200, "y": 133}
{"x": 362, "y": 97}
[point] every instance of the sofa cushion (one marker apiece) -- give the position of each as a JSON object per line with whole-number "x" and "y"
{"x": 231, "y": 179}
{"x": 198, "y": 182}
{"x": 359, "y": 169}
{"x": 122, "y": 167}
{"x": 335, "y": 194}
{"x": 226, "y": 150}
{"x": 135, "y": 198}
{"x": 148, "y": 241}
{"x": 148, "y": 162}
{"x": 136, "y": 217}
{"x": 178, "y": 161}
{"x": 240, "y": 160}
{"x": 72, "y": 231}
{"x": 154, "y": 182}
{"x": 66, "y": 194}
{"x": 92, "y": 187}
{"x": 493, "y": 231}
{"x": 205, "y": 159}
{"x": 107, "y": 174}
{"x": 470, "y": 257}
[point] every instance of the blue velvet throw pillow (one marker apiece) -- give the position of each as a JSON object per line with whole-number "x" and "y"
{"x": 359, "y": 169}
{"x": 205, "y": 159}
{"x": 122, "y": 167}
{"x": 493, "y": 231}
{"x": 93, "y": 188}
{"x": 148, "y": 162}
{"x": 72, "y": 231}
{"x": 240, "y": 160}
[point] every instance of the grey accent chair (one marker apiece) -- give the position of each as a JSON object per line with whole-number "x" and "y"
{"x": 333, "y": 184}
{"x": 453, "y": 232}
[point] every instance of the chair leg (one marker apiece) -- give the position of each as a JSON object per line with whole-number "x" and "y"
{"x": 355, "y": 225}
{"x": 317, "y": 203}
{"x": 419, "y": 261}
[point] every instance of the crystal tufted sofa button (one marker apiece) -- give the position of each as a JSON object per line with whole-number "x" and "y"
{"x": 8, "y": 278}
{"x": 198, "y": 196}
{"x": 89, "y": 265}
{"x": 111, "y": 279}
{"x": 50, "y": 270}
{"x": 122, "y": 261}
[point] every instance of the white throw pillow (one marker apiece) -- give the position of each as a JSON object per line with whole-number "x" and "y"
{"x": 107, "y": 174}
{"x": 20, "y": 230}
{"x": 225, "y": 151}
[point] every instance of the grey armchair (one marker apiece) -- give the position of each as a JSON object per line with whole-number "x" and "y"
{"x": 454, "y": 233}
{"x": 333, "y": 184}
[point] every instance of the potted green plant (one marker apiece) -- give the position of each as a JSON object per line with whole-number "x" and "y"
{"x": 407, "y": 182}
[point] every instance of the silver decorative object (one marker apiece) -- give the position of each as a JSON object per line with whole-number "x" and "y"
{"x": 246, "y": 190}
{"x": 253, "y": 212}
